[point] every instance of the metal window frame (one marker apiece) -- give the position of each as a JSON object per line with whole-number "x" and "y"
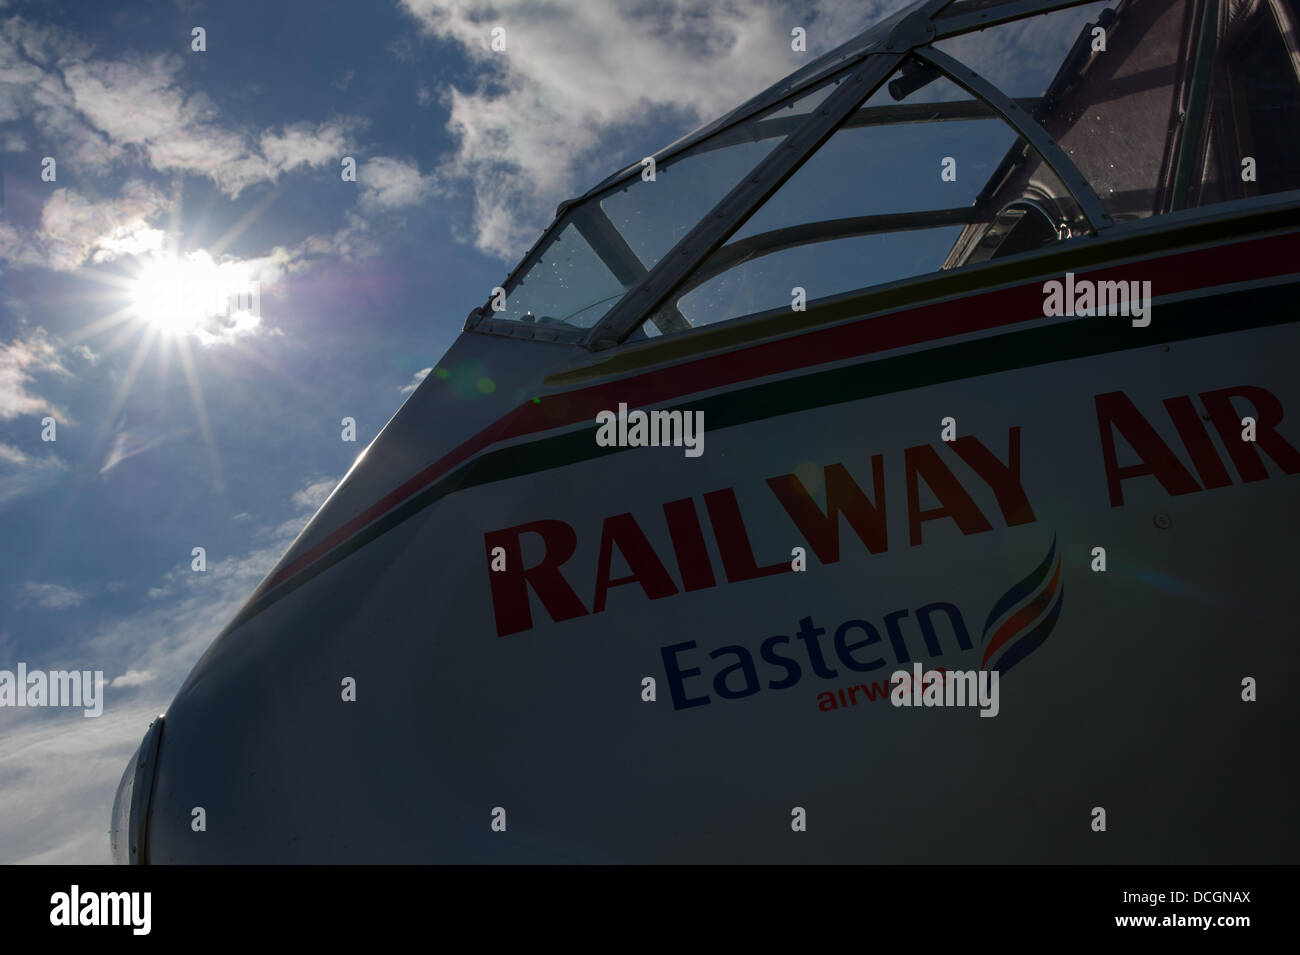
{"x": 826, "y": 230}
{"x": 1193, "y": 131}
{"x": 957, "y": 23}
{"x": 741, "y": 202}
{"x": 899, "y": 114}
{"x": 865, "y": 62}
{"x": 874, "y": 39}
{"x": 909, "y": 29}
{"x": 481, "y": 317}
{"x": 709, "y": 235}
{"x": 1024, "y": 124}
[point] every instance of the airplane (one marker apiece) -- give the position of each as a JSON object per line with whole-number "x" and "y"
{"x": 736, "y": 525}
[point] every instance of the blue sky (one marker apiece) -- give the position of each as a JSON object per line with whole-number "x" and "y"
{"x": 185, "y": 429}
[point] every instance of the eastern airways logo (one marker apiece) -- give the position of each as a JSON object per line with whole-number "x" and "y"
{"x": 1020, "y": 621}
{"x": 1024, "y": 616}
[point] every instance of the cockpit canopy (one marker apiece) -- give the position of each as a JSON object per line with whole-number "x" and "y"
{"x": 951, "y": 134}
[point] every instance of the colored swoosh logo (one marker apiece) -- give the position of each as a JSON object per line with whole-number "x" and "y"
{"x": 1024, "y": 616}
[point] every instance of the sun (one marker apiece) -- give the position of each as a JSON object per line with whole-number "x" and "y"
{"x": 181, "y": 295}
{"x": 176, "y": 306}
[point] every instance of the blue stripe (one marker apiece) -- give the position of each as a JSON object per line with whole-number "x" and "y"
{"x": 1020, "y": 591}
{"x": 1029, "y": 643}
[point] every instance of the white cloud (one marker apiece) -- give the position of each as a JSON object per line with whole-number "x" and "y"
{"x": 142, "y": 103}
{"x": 74, "y": 227}
{"x": 34, "y": 88}
{"x": 574, "y": 73}
{"x": 350, "y": 242}
{"x": 133, "y": 678}
{"x": 388, "y": 183}
{"x": 21, "y": 474}
{"x": 313, "y": 494}
{"x": 57, "y": 780}
{"x": 20, "y": 360}
{"x": 51, "y": 596}
{"x": 12, "y": 455}
{"x": 306, "y": 144}
{"x": 139, "y": 108}
{"x": 135, "y": 238}
{"x": 306, "y": 500}
{"x": 29, "y": 355}
{"x": 58, "y": 770}
{"x": 127, "y": 444}
{"x": 414, "y": 383}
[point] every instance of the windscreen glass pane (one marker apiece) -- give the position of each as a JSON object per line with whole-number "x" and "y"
{"x": 1109, "y": 78}
{"x": 652, "y": 216}
{"x": 604, "y": 246}
{"x": 922, "y": 177}
{"x": 1022, "y": 57}
{"x": 1161, "y": 104}
{"x": 826, "y": 268}
{"x": 568, "y": 284}
{"x": 893, "y": 157}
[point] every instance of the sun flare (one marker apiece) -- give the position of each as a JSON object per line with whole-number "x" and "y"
{"x": 178, "y": 295}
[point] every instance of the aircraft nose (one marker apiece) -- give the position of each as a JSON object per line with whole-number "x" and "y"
{"x": 128, "y": 830}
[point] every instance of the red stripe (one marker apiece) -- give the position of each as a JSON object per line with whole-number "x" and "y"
{"x": 410, "y": 488}
{"x": 1022, "y": 618}
{"x": 1245, "y": 261}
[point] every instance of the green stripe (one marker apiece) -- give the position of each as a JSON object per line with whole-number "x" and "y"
{"x": 1058, "y": 341}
